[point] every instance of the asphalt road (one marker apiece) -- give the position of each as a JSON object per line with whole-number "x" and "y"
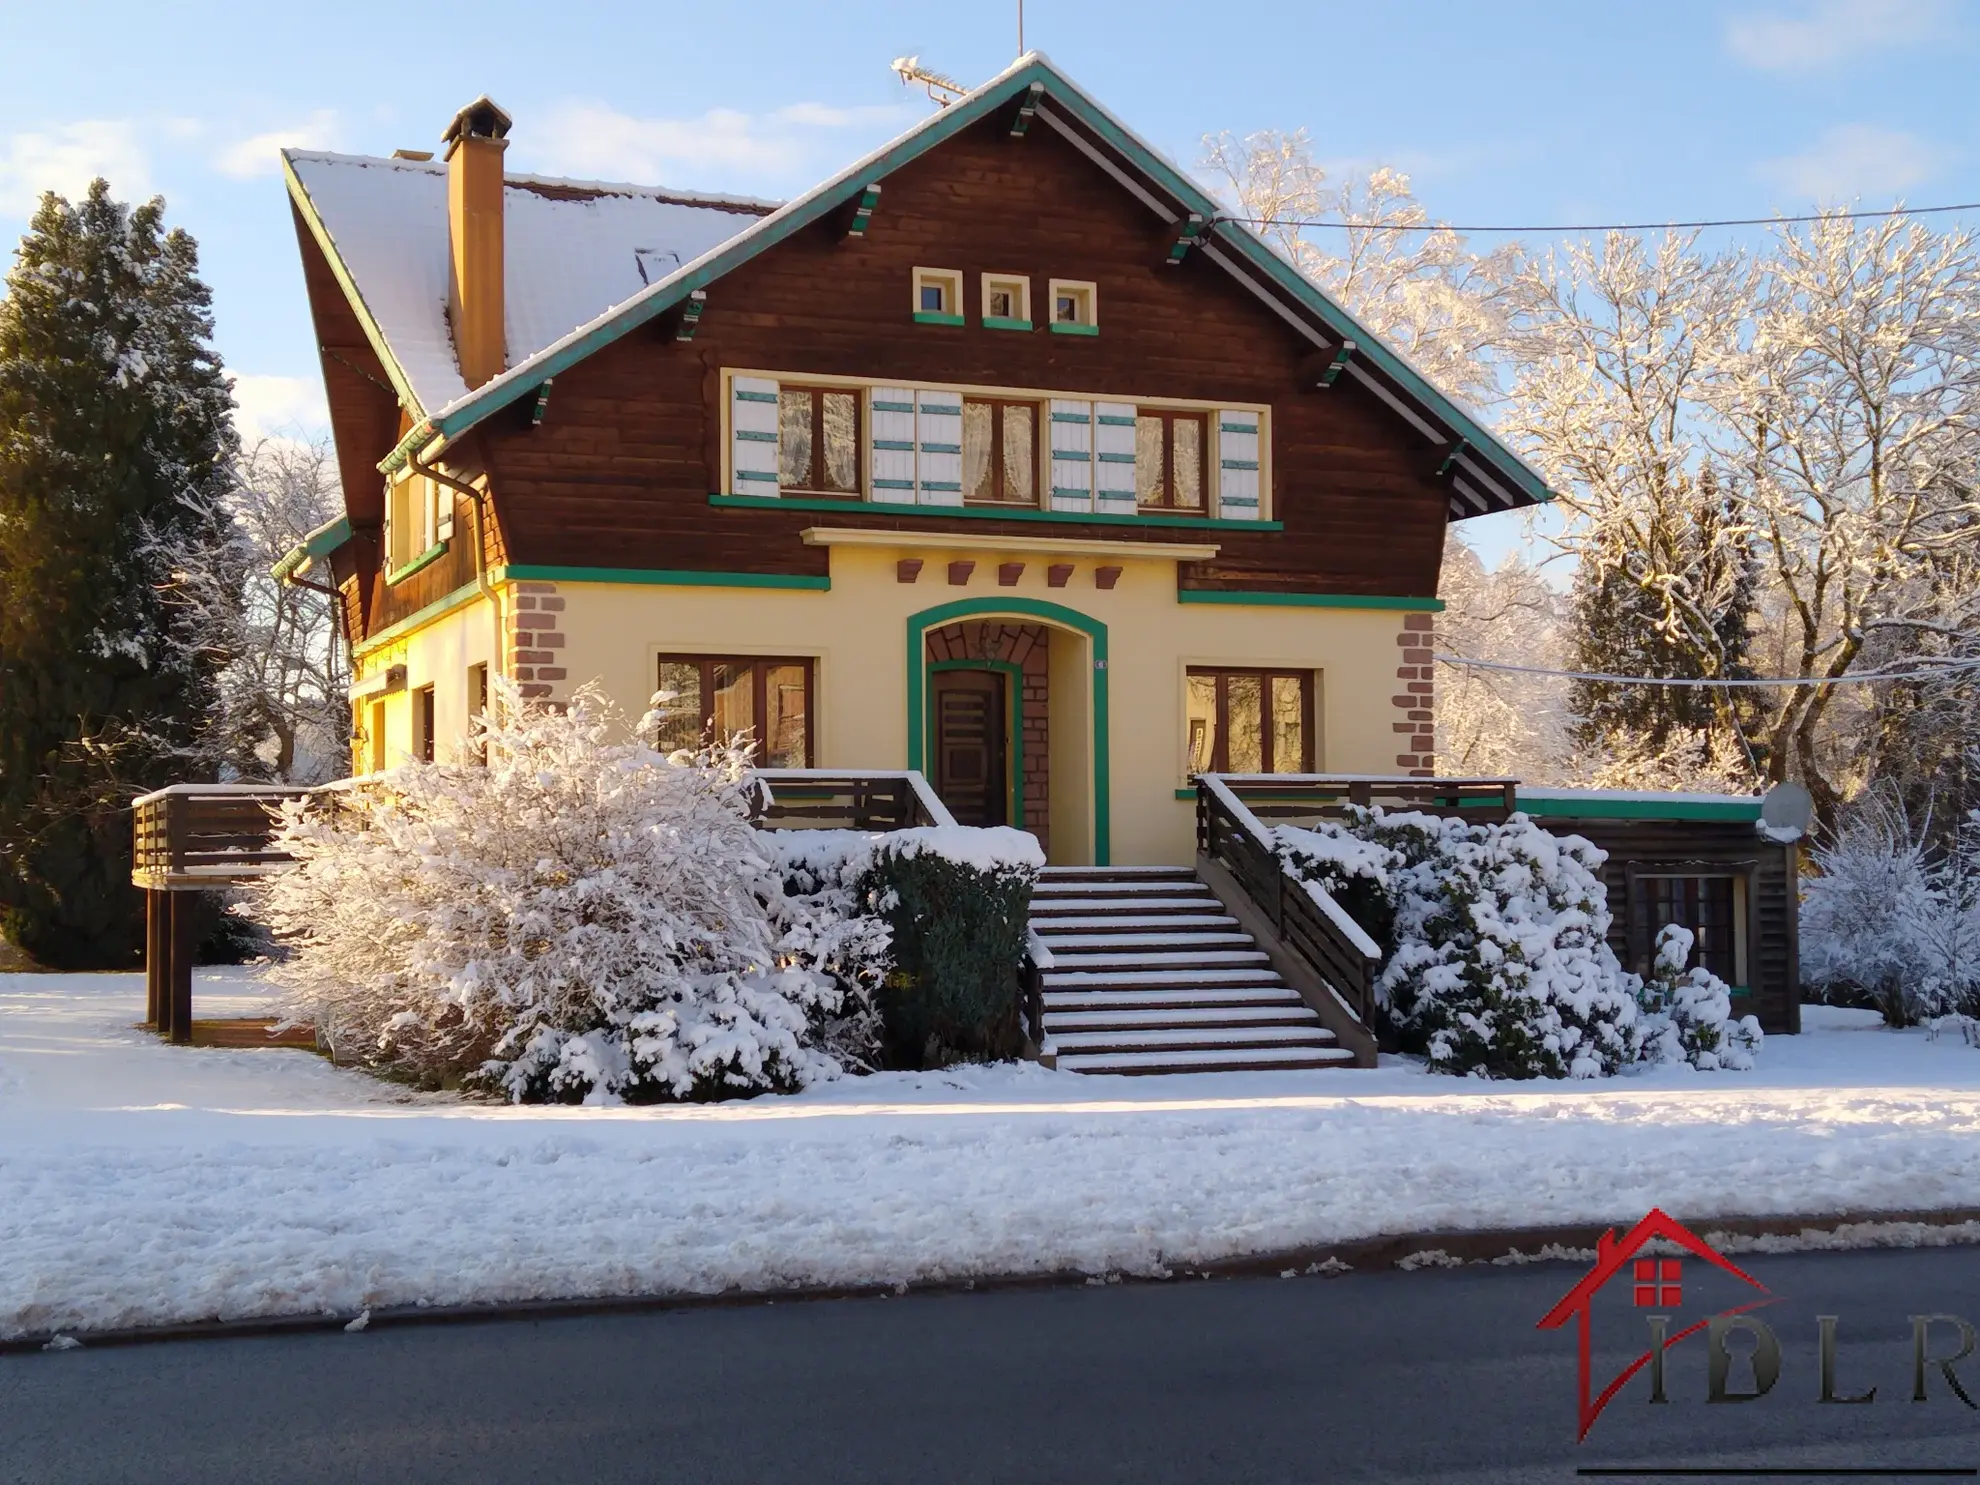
{"x": 1428, "y": 1376}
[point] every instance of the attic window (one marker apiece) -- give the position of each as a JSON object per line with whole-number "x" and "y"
{"x": 1006, "y": 301}
{"x": 937, "y": 296}
{"x": 1074, "y": 307}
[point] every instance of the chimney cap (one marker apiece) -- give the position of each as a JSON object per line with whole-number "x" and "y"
{"x": 481, "y": 119}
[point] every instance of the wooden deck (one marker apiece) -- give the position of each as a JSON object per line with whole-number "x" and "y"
{"x": 251, "y": 1031}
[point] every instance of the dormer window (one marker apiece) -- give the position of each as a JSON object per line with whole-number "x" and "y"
{"x": 1006, "y": 301}
{"x": 1074, "y": 308}
{"x": 937, "y": 296}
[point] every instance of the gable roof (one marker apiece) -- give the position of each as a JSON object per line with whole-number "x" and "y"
{"x": 1486, "y": 474}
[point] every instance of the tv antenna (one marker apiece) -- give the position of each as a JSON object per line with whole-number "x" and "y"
{"x": 944, "y": 90}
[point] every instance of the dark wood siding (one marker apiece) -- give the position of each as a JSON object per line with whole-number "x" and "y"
{"x": 620, "y": 472}
{"x": 1709, "y": 847}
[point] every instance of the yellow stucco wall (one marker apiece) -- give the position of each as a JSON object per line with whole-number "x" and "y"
{"x": 856, "y": 634}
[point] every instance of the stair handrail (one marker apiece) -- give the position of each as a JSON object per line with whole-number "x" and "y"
{"x": 1035, "y": 959}
{"x": 1304, "y": 914}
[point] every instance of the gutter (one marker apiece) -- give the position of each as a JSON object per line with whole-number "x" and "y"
{"x": 476, "y": 498}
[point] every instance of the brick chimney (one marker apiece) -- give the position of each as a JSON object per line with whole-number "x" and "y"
{"x": 476, "y": 141}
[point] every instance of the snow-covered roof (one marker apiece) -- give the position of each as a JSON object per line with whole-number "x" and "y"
{"x": 573, "y": 250}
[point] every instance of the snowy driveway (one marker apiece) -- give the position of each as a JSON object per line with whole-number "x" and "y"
{"x": 143, "y": 1184}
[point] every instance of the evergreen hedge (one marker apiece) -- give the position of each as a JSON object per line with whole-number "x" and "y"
{"x": 958, "y": 935}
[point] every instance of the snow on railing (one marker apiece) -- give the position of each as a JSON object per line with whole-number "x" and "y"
{"x": 1268, "y": 839}
{"x": 911, "y": 780}
{"x": 1338, "y": 916}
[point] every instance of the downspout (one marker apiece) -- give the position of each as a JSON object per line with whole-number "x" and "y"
{"x": 477, "y": 499}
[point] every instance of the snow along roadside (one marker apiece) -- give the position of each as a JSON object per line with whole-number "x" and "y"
{"x": 1513, "y": 1247}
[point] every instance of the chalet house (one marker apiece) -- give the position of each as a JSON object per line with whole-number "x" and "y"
{"x": 994, "y": 456}
{"x": 999, "y": 456}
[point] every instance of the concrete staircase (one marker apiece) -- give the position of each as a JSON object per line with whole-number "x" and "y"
{"x": 1151, "y": 975}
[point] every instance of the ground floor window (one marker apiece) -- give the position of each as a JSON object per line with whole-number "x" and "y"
{"x": 1250, "y": 721}
{"x": 716, "y": 696}
{"x": 1710, "y": 906}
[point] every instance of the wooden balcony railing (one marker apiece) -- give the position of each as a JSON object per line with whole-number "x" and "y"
{"x": 1308, "y": 920}
{"x": 1312, "y": 796}
{"x": 847, "y": 799}
{"x": 192, "y": 836}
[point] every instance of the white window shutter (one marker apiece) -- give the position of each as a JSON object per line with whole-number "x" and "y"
{"x": 752, "y": 436}
{"x": 891, "y": 417}
{"x": 1237, "y": 460}
{"x": 938, "y": 471}
{"x": 1072, "y": 456}
{"x": 1113, "y": 458}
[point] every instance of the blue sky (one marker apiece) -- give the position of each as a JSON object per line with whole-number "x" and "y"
{"x": 1544, "y": 111}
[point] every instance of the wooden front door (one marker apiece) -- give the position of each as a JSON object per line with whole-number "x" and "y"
{"x": 971, "y": 773}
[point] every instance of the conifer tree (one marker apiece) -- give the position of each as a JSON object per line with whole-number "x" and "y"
{"x": 1670, "y": 595}
{"x": 116, "y": 446}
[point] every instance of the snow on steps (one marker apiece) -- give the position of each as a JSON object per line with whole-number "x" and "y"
{"x": 1152, "y": 976}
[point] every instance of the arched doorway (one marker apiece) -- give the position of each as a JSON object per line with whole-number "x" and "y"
{"x": 1007, "y": 716}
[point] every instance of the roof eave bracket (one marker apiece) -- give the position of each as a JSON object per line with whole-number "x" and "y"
{"x": 863, "y": 208}
{"x": 690, "y": 320}
{"x": 1187, "y": 236}
{"x": 1027, "y": 110}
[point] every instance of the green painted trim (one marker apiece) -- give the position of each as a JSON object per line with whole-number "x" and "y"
{"x": 659, "y": 577}
{"x": 1306, "y": 600}
{"x": 1067, "y": 327}
{"x": 321, "y": 542}
{"x": 935, "y": 317}
{"x": 425, "y": 559}
{"x": 1571, "y": 807}
{"x": 918, "y": 626}
{"x": 299, "y": 194}
{"x": 940, "y": 127}
{"x": 1000, "y": 322}
{"x": 417, "y": 437}
{"x": 1015, "y": 673}
{"x": 419, "y": 618}
{"x": 1017, "y": 513}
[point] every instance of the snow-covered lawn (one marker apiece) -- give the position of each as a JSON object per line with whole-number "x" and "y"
{"x": 141, "y": 1183}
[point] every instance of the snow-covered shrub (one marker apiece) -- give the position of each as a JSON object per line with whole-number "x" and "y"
{"x": 1688, "y": 1012}
{"x": 952, "y": 903}
{"x": 579, "y": 919}
{"x": 1892, "y": 920}
{"x": 1497, "y": 963}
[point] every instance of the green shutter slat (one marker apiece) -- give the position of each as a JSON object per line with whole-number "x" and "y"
{"x": 1117, "y": 458}
{"x": 756, "y": 474}
{"x": 1080, "y": 418}
{"x": 893, "y": 484}
{"x": 906, "y": 407}
{"x": 1113, "y": 422}
{"x": 750, "y": 435}
{"x": 1240, "y": 463}
{"x": 1238, "y": 427}
{"x": 756, "y": 396}
{"x": 899, "y": 446}
{"x": 941, "y": 448}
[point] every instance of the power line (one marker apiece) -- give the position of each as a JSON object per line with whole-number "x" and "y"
{"x": 1857, "y": 678}
{"x": 1561, "y": 231}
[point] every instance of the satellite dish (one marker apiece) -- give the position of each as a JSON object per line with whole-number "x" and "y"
{"x": 1788, "y": 806}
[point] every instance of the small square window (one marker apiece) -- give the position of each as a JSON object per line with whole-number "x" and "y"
{"x": 1006, "y": 301}
{"x": 937, "y": 296}
{"x": 1075, "y": 308}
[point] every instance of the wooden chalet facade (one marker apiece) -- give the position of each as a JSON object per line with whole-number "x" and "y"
{"x": 998, "y": 456}
{"x": 992, "y": 457}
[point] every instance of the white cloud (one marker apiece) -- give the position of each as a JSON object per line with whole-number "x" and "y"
{"x": 67, "y": 158}
{"x": 260, "y": 155}
{"x": 589, "y": 139}
{"x": 1852, "y": 160}
{"x": 276, "y": 406}
{"x": 1819, "y": 33}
